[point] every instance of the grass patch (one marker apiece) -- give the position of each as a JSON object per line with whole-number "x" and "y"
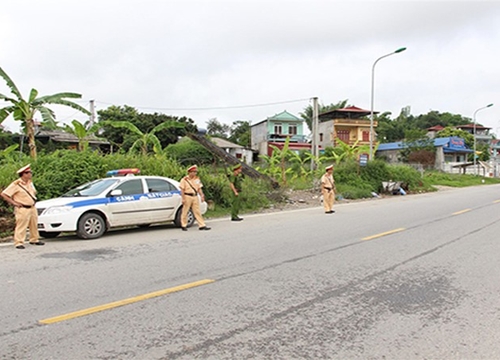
{"x": 457, "y": 180}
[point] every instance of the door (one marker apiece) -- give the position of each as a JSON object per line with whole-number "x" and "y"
{"x": 131, "y": 206}
{"x": 164, "y": 198}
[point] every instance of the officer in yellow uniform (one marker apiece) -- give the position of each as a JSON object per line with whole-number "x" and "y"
{"x": 21, "y": 194}
{"x": 328, "y": 190}
{"x": 191, "y": 187}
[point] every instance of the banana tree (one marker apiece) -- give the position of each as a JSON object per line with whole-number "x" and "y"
{"x": 302, "y": 161}
{"x": 145, "y": 139}
{"x": 82, "y": 133}
{"x": 9, "y": 150}
{"x": 276, "y": 163}
{"x": 24, "y": 110}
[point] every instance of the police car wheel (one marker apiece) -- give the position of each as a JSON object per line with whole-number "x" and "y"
{"x": 48, "y": 235}
{"x": 190, "y": 218}
{"x": 91, "y": 226}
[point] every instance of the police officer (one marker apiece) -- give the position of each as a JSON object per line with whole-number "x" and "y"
{"x": 191, "y": 187}
{"x": 328, "y": 190}
{"x": 235, "y": 181}
{"x": 21, "y": 194}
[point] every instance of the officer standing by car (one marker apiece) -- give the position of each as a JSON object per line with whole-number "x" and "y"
{"x": 191, "y": 187}
{"x": 328, "y": 190}
{"x": 21, "y": 194}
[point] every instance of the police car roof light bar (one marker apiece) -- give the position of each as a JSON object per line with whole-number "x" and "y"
{"x": 123, "y": 172}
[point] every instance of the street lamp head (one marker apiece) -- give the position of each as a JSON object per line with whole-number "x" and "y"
{"x": 489, "y": 105}
{"x": 399, "y": 50}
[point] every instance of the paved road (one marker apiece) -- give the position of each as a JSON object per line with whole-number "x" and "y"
{"x": 412, "y": 277}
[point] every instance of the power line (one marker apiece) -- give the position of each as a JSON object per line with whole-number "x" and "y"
{"x": 216, "y": 107}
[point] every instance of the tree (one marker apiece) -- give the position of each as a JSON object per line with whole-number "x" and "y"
{"x": 115, "y": 135}
{"x": 390, "y": 130}
{"x": 145, "y": 123}
{"x": 25, "y": 110}
{"x": 6, "y": 138}
{"x": 145, "y": 139}
{"x": 344, "y": 152}
{"x": 82, "y": 133}
{"x": 417, "y": 145}
{"x": 449, "y": 132}
{"x": 240, "y": 133}
{"x": 433, "y": 118}
{"x": 307, "y": 114}
{"x": 217, "y": 129}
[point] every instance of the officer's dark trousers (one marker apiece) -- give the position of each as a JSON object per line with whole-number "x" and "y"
{"x": 235, "y": 205}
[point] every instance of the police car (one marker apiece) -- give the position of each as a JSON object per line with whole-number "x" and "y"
{"x": 122, "y": 199}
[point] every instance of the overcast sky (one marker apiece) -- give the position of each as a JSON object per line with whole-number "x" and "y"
{"x": 248, "y": 60}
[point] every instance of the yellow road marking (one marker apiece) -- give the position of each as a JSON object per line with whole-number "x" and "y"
{"x": 461, "y": 212}
{"x": 496, "y": 201}
{"x": 383, "y": 234}
{"x": 131, "y": 300}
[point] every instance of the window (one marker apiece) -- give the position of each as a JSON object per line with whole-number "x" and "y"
{"x": 292, "y": 129}
{"x": 278, "y": 129}
{"x": 366, "y": 135}
{"x": 320, "y": 136}
{"x": 159, "y": 185}
{"x": 343, "y": 135}
{"x": 131, "y": 187}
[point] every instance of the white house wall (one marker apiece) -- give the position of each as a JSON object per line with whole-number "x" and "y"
{"x": 259, "y": 136}
{"x": 326, "y": 128}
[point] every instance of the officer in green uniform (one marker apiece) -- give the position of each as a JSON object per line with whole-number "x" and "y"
{"x": 235, "y": 182}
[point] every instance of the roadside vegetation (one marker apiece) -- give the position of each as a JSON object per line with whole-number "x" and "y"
{"x": 158, "y": 144}
{"x": 58, "y": 171}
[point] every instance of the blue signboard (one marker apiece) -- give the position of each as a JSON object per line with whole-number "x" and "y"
{"x": 363, "y": 159}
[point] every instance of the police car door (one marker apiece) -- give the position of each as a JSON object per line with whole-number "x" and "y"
{"x": 130, "y": 207}
{"x": 164, "y": 197}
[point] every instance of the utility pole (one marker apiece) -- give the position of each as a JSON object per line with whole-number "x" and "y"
{"x": 316, "y": 126}
{"x": 92, "y": 114}
{"x": 315, "y": 136}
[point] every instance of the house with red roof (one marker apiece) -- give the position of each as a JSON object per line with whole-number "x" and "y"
{"x": 433, "y": 130}
{"x": 350, "y": 124}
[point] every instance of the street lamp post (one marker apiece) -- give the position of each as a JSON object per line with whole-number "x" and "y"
{"x": 474, "y": 132}
{"x": 373, "y": 91}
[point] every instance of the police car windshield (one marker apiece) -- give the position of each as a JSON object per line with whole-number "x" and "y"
{"x": 92, "y": 188}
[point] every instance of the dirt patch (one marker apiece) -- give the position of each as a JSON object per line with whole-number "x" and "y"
{"x": 301, "y": 199}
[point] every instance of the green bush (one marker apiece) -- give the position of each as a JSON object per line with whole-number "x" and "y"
{"x": 346, "y": 172}
{"x": 353, "y": 191}
{"x": 410, "y": 177}
{"x": 187, "y": 152}
{"x": 374, "y": 173}
{"x": 56, "y": 173}
{"x": 216, "y": 188}
{"x": 160, "y": 165}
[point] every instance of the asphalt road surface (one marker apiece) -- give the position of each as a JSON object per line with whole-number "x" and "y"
{"x": 407, "y": 277}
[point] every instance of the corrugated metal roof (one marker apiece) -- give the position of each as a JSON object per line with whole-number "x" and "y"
{"x": 62, "y": 136}
{"x": 225, "y": 144}
{"x": 438, "y": 142}
{"x": 390, "y": 146}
